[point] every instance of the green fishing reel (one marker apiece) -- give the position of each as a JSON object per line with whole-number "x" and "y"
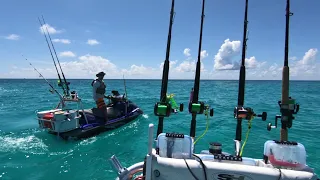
{"x": 164, "y": 109}
{"x": 287, "y": 111}
{"x": 200, "y": 108}
{"x": 248, "y": 113}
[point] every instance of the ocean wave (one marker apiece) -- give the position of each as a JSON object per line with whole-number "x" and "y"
{"x": 29, "y": 144}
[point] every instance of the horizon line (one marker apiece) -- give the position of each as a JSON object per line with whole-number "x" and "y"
{"x": 156, "y": 79}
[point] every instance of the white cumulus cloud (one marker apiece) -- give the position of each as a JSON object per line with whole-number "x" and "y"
{"x": 92, "y": 64}
{"x": 304, "y": 68}
{"x": 203, "y": 54}
{"x": 252, "y": 63}
{"x": 223, "y": 59}
{"x": 50, "y": 29}
{"x": 63, "y": 41}
{"x": 67, "y": 54}
{"x": 309, "y": 57}
{"x": 186, "y": 52}
{"x": 13, "y": 37}
{"x": 189, "y": 66}
{"x": 141, "y": 71}
{"x": 306, "y": 65}
{"x": 171, "y": 65}
{"x": 86, "y": 66}
{"x": 92, "y": 42}
{"x": 293, "y": 58}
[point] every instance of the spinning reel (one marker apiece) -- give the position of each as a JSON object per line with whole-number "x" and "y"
{"x": 287, "y": 111}
{"x": 247, "y": 113}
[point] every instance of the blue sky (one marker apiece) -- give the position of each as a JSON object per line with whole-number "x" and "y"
{"x": 132, "y": 37}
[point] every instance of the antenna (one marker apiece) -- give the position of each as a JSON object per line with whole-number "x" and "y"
{"x": 163, "y": 108}
{"x": 287, "y": 105}
{"x": 196, "y": 107}
{"x": 241, "y": 112}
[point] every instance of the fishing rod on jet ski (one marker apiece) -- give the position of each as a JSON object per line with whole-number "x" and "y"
{"x": 287, "y": 105}
{"x": 64, "y": 78}
{"x": 195, "y": 106}
{"x": 241, "y": 112}
{"x": 163, "y": 108}
{"x": 125, "y": 97}
{"x": 44, "y": 78}
{"x": 125, "y": 87}
{"x": 64, "y": 91}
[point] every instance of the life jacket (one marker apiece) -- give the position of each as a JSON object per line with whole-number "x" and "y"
{"x": 102, "y": 88}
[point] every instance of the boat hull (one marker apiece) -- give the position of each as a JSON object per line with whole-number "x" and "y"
{"x": 188, "y": 166}
{"x": 162, "y": 168}
{"x": 172, "y": 169}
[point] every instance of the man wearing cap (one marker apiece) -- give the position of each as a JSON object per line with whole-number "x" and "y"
{"x": 99, "y": 89}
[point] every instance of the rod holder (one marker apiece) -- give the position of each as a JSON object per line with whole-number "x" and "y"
{"x": 237, "y": 148}
{"x": 117, "y": 165}
{"x": 150, "y": 140}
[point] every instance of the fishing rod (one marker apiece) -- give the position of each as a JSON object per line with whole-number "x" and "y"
{"x": 44, "y": 79}
{"x": 241, "y": 112}
{"x": 64, "y": 91}
{"x": 195, "y": 106}
{"x": 64, "y": 78}
{"x": 287, "y": 105}
{"x": 163, "y": 108}
{"x": 125, "y": 87}
{"x": 125, "y": 97}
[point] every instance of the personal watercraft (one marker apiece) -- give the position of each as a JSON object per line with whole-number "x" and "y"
{"x": 78, "y": 123}
{"x": 83, "y": 123}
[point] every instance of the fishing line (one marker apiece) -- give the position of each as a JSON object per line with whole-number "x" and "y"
{"x": 207, "y": 126}
{"x": 43, "y": 77}
{"x": 247, "y": 135}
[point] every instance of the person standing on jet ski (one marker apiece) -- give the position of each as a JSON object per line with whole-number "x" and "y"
{"x": 99, "y": 89}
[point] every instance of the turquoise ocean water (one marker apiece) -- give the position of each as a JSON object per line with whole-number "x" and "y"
{"x": 31, "y": 154}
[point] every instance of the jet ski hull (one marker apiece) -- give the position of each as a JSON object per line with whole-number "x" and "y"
{"x": 96, "y": 129}
{"x": 96, "y": 123}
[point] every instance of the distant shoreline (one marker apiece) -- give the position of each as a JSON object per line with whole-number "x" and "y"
{"x": 158, "y": 79}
